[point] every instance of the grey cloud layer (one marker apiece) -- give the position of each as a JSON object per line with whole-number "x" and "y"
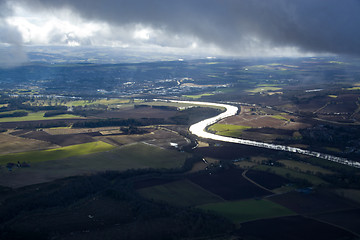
{"x": 310, "y": 25}
{"x": 10, "y": 35}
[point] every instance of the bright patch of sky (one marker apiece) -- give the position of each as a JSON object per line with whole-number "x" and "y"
{"x": 59, "y": 27}
{"x": 66, "y": 28}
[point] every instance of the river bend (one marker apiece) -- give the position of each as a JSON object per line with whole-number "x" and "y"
{"x": 199, "y": 129}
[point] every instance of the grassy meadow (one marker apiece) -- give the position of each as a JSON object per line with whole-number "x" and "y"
{"x": 37, "y": 116}
{"x": 56, "y": 153}
{"x": 304, "y": 167}
{"x": 248, "y": 210}
{"x": 288, "y": 173}
{"x": 198, "y": 96}
{"x": 227, "y": 129}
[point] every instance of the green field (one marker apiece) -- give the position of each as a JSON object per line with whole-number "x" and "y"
{"x": 353, "y": 88}
{"x": 112, "y": 101}
{"x": 248, "y": 210}
{"x": 198, "y": 96}
{"x": 56, "y": 153}
{"x": 291, "y": 174}
{"x": 332, "y": 166}
{"x": 10, "y": 112}
{"x": 227, "y": 129}
{"x": 269, "y": 85}
{"x": 37, "y": 116}
{"x": 279, "y": 117}
{"x": 180, "y": 193}
{"x": 263, "y": 89}
{"x": 304, "y": 167}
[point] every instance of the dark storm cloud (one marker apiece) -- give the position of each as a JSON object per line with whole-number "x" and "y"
{"x": 310, "y": 25}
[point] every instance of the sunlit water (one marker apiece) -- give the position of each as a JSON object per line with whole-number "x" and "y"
{"x": 199, "y": 129}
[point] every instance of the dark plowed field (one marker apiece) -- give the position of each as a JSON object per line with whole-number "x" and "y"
{"x": 228, "y": 184}
{"x": 292, "y": 228}
{"x": 348, "y": 219}
{"x": 232, "y": 151}
{"x": 266, "y": 179}
{"x": 62, "y": 140}
{"x": 311, "y": 203}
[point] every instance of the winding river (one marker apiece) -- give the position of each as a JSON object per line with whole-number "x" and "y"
{"x": 199, "y": 129}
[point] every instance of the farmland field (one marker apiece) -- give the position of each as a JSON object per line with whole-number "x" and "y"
{"x": 130, "y": 167}
{"x": 57, "y": 153}
{"x": 352, "y": 194}
{"x": 227, "y": 130}
{"x": 312, "y": 202}
{"x": 266, "y": 179}
{"x": 264, "y": 118}
{"x": 113, "y": 101}
{"x": 182, "y": 193}
{"x": 160, "y": 137}
{"x": 292, "y": 228}
{"x": 177, "y": 104}
{"x": 263, "y": 89}
{"x": 141, "y": 155}
{"x": 38, "y": 116}
{"x": 228, "y": 184}
{"x": 61, "y": 139}
{"x": 132, "y": 156}
{"x": 198, "y": 96}
{"x": 304, "y": 167}
{"x": 248, "y": 210}
{"x": 348, "y": 219}
{"x": 12, "y": 144}
{"x": 280, "y": 117}
{"x": 291, "y": 174}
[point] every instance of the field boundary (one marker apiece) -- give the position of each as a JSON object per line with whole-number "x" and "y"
{"x": 253, "y": 182}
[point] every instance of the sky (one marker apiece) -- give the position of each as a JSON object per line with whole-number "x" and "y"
{"x": 243, "y": 28}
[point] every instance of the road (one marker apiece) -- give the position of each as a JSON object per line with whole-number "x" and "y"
{"x": 199, "y": 129}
